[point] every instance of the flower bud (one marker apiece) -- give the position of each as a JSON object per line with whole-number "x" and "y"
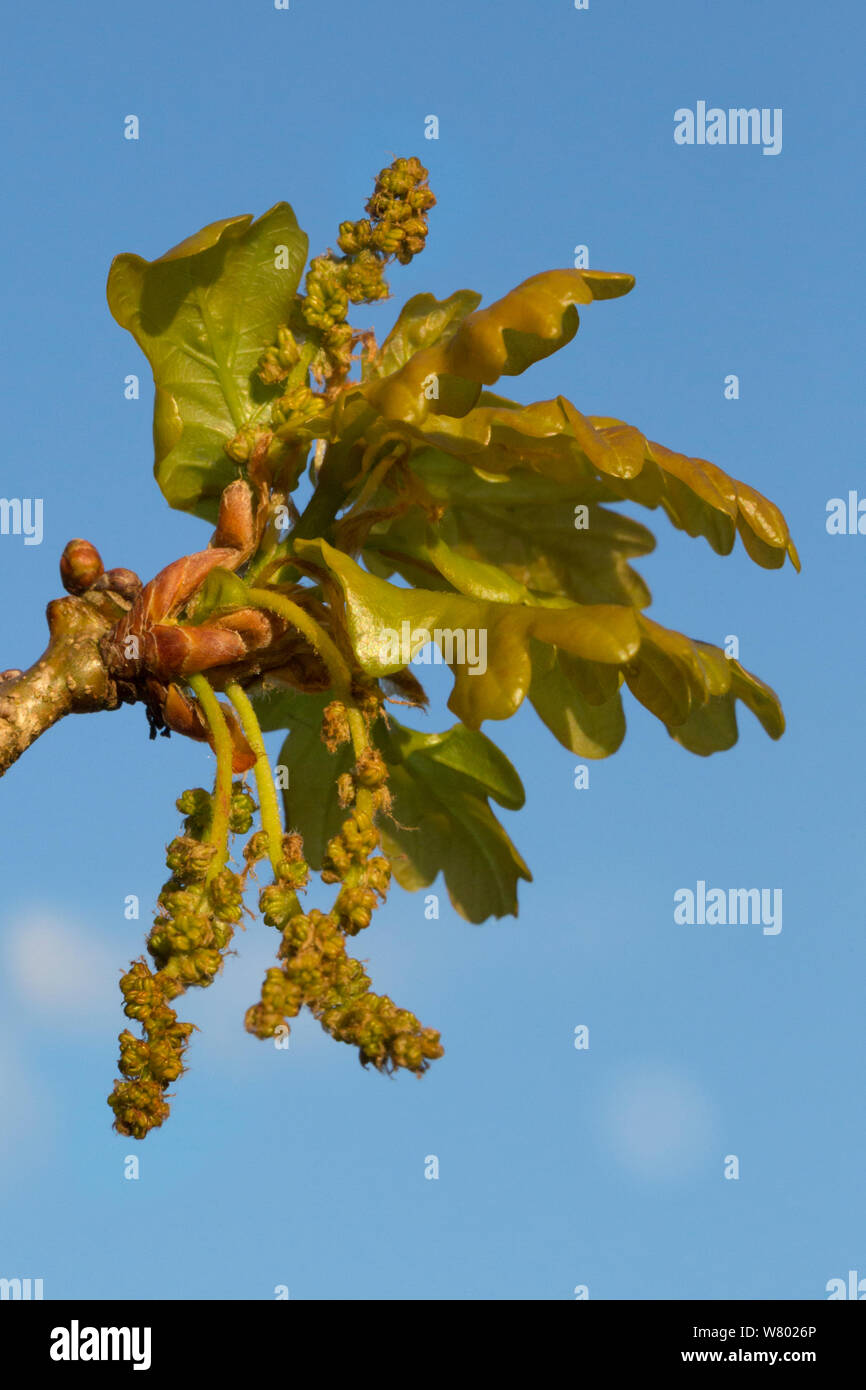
{"x": 197, "y": 805}
{"x": 276, "y": 903}
{"x": 241, "y": 810}
{"x": 335, "y": 726}
{"x": 134, "y": 1054}
{"x": 256, "y": 847}
{"x": 225, "y": 892}
{"x": 293, "y": 873}
{"x": 189, "y": 859}
{"x": 138, "y": 1107}
{"x": 370, "y": 770}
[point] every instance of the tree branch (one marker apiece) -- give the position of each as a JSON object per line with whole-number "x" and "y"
{"x": 69, "y": 678}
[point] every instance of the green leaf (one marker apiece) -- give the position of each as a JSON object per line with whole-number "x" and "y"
{"x": 388, "y": 626}
{"x": 470, "y": 754}
{"x": 423, "y": 321}
{"x": 528, "y": 324}
{"x": 410, "y": 536}
{"x": 589, "y": 730}
{"x": 605, "y": 460}
{"x": 760, "y": 699}
{"x": 454, "y": 481}
{"x": 310, "y": 800}
{"x": 672, "y": 674}
{"x": 692, "y": 688}
{"x": 541, "y": 543}
{"x": 712, "y": 727}
{"x": 444, "y": 827}
{"x": 440, "y": 821}
{"x": 202, "y": 314}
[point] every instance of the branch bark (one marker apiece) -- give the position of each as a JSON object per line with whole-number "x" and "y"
{"x": 69, "y": 678}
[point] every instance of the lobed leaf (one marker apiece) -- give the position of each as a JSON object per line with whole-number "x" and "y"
{"x": 712, "y": 727}
{"x": 692, "y": 687}
{"x": 202, "y": 314}
{"x": 533, "y": 534}
{"x": 377, "y": 611}
{"x": 606, "y": 460}
{"x": 423, "y": 321}
{"x": 588, "y": 728}
{"x": 531, "y": 322}
{"x": 440, "y": 820}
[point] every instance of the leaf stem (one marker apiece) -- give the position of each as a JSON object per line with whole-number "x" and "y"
{"x": 338, "y": 670}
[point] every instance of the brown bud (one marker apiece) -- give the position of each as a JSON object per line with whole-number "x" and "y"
{"x": 80, "y": 566}
{"x": 126, "y": 583}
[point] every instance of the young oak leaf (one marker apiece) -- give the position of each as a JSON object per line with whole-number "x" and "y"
{"x": 423, "y": 321}
{"x": 676, "y": 677}
{"x": 440, "y": 819}
{"x": 560, "y": 547}
{"x": 387, "y": 626}
{"x": 589, "y": 728}
{"x": 604, "y": 459}
{"x": 202, "y": 314}
{"x": 712, "y": 727}
{"x": 529, "y": 323}
{"x": 579, "y": 701}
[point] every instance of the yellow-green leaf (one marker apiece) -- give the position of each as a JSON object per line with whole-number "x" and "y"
{"x": 422, "y": 321}
{"x": 712, "y": 727}
{"x": 604, "y": 460}
{"x": 202, "y": 314}
{"x": 545, "y": 539}
{"x": 526, "y": 325}
{"x": 589, "y": 730}
{"x": 486, "y": 644}
{"x": 440, "y": 820}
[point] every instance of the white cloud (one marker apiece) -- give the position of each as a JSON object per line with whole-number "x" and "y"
{"x": 55, "y": 964}
{"x": 658, "y": 1122}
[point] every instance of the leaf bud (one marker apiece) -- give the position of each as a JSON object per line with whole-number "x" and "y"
{"x": 80, "y": 566}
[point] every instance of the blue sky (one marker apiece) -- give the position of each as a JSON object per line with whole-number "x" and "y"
{"x": 558, "y": 1167}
